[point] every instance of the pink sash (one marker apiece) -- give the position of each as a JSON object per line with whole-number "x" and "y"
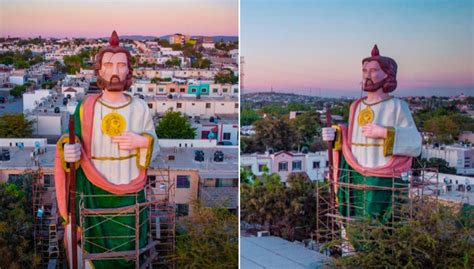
{"x": 94, "y": 176}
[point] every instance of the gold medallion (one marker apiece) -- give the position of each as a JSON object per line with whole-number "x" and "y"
{"x": 113, "y": 124}
{"x": 366, "y": 116}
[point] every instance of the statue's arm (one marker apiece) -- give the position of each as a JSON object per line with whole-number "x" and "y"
{"x": 146, "y": 155}
{"x": 405, "y": 138}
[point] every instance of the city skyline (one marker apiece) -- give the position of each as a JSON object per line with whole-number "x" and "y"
{"x": 87, "y": 19}
{"x": 320, "y": 45}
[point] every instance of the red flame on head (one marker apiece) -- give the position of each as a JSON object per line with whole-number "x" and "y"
{"x": 375, "y": 51}
{"x": 114, "y": 39}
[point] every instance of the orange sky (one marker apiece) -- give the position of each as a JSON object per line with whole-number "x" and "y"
{"x": 98, "y": 18}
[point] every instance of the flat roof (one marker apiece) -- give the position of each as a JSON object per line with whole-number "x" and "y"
{"x": 276, "y": 252}
{"x": 184, "y": 159}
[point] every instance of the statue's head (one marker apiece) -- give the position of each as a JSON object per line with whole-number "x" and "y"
{"x": 379, "y": 72}
{"x": 113, "y": 66}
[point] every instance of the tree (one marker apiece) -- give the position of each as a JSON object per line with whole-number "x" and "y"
{"x": 306, "y": 127}
{"x": 248, "y": 116}
{"x": 437, "y": 236}
{"x": 18, "y": 91}
{"x": 16, "y": 228}
{"x": 275, "y": 133}
{"x": 443, "y": 128}
{"x": 210, "y": 239}
{"x": 173, "y": 61}
{"x": 226, "y": 76}
{"x": 175, "y": 126}
{"x": 15, "y": 126}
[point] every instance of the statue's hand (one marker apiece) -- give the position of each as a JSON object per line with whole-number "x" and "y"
{"x": 328, "y": 133}
{"x": 130, "y": 140}
{"x": 372, "y": 130}
{"x": 72, "y": 152}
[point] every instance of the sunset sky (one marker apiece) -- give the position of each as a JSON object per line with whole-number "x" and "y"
{"x": 317, "y": 46}
{"x": 97, "y": 18}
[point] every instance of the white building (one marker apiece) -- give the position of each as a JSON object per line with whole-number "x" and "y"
{"x": 314, "y": 164}
{"x": 32, "y": 99}
{"x": 459, "y": 157}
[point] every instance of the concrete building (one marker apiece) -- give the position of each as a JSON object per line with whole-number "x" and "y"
{"x": 197, "y": 169}
{"x": 203, "y": 107}
{"x": 459, "y": 157}
{"x": 314, "y": 164}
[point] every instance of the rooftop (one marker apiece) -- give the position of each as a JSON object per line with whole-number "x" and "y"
{"x": 275, "y": 252}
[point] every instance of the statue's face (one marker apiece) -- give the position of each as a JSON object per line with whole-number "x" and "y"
{"x": 372, "y": 76}
{"x": 114, "y": 70}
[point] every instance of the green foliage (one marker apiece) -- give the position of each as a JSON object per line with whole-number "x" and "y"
{"x": 275, "y": 109}
{"x": 175, "y": 126}
{"x": 276, "y": 133}
{"x": 248, "y": 116}
{"x": 306, "y": 126}
{"x": 20, "y": 60}
{"x": 173, "y": 61}
{"x": 445, "y": 122}
{"x": 49, "y": 84}
{"x": 443, "y": 128}
{"x": 227, "y": 46}
{"x": 210, "y": 239}
{"x": 440, "y": 164}
{"x": 438, "y": 236}
{"x": 226, "y": 76}
{"x": 15, "y": 125}
{"x": 285, "y": 211}
{"x": 164, "y": 43}
{"x": 16, "y": 228}
{"x": 73, "y": 63}
{"x": 18, "y": 90}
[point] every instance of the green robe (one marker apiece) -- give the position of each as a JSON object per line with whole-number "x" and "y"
{"x": 100, "y": 227}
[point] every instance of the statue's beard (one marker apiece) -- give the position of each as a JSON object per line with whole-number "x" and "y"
{"x": 114, "y": 85}
{"x": 370, "y": 86}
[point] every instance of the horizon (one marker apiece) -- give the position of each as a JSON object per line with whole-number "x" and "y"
{"x": 354, "y": 94}
{"x": 320, "y": 44}
{"x": 90, "y": 19}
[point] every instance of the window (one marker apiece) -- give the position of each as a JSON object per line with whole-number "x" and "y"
{"x": 296, "y": 165}
{"x": 204, "y": 90}
{"x": 48, "y": 180}
{"x": 236, "y": 105}
{"x": 172, "y": 89}
{"x": 150, "y": 105}
{"x": 182, "y": 90}
{"x": 192, "y": 104}
{"x": 179, "y": 105}
{"x": 152, "y": 181}
{"x": 226, "y": 182}
{"x": 182, "y": 182}
{"x": 283, "y": 166}
{"x": 150, "y": 89}
{"x": 182, "y": 210}
{"x": 215, "y": 90}
{"x": 262, "y": 167}
{"x": 161, "y": 89}
{"x": 139, "y": 89}
{"x": 208, "y": 105}
{"x": 236, "y": 90}
{"x": 316, "y": 165}
{"x": 226, "y": 136}
{"x": 224, "y": 90}
{"x": 193, "y": 90}
{"x": 327, "y": 163}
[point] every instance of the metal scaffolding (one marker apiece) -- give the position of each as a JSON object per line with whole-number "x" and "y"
{"x": 331, "y": 225}
{"x": 159, "y": 209}
{"x": 46, "y": 230}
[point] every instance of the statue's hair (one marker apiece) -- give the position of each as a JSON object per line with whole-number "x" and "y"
{"x": 388, "y": 66}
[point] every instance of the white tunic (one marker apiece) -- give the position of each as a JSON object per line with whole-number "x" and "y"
{"x": 139, "y": 120}
{"x": 390, "y": 113}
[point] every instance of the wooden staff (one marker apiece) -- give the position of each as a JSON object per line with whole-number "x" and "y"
{"x": 72, "y": 195}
